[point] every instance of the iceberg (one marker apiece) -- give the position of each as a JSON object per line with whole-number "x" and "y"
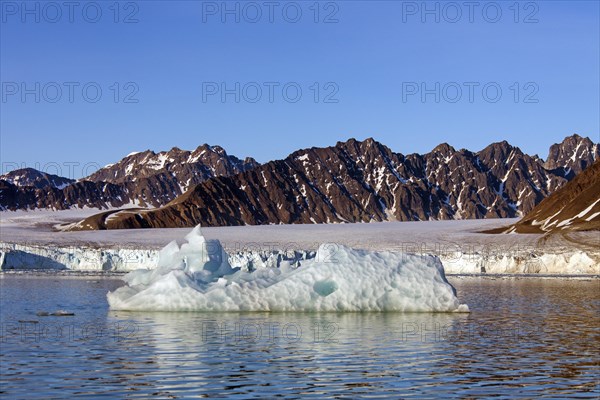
{"x": 197, "y": 276}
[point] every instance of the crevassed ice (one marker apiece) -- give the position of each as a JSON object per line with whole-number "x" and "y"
{"x": 198, "y": 277}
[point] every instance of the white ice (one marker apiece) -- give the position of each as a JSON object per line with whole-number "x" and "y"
{"x": 198, "y": 277}
{"x": 27, "y": 238}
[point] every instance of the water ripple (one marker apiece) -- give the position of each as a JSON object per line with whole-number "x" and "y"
{"x": 524, "y": 338}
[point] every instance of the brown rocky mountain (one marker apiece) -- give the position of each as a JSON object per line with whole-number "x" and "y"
{"x": 356, "y": 181}
{"x": 184, "y": 168}
{"x": 78, "y": 194}
{"x": 573, "y": 155}
{"x": 35, "y": 178}
{"x": 146, "y": 179}
{"x": 574, "y": 207}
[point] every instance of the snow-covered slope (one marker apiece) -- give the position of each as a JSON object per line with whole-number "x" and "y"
{"x": 575, "y": 206}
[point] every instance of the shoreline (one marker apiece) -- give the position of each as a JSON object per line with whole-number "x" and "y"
{"x": 39, "y": 273}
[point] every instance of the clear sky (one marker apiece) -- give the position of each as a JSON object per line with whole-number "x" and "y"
{"x": 194, "y": 73}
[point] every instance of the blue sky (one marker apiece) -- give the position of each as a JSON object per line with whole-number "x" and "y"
{"x": 370, "y": 63}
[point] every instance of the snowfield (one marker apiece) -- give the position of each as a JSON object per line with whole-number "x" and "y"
{"x": 27, "y": 240}
{"x": 198, "y": 277}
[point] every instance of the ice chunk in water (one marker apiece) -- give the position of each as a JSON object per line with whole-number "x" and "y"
{"x": 198, "y": 277}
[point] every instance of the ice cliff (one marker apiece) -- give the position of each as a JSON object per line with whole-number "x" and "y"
{"x": 495, "y": 260}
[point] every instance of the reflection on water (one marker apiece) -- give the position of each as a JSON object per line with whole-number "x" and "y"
{"x": 524, "y": 337}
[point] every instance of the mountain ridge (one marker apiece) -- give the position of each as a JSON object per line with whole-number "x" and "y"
{"x": 141, "y": 179}
{"x": 363, "y": 181}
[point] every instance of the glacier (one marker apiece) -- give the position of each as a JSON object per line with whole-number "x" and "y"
{"x": 197, "y": 276}
{"x": 14, "y": 256}
{"x": 27, "y": 243}
{"x": 117, "y": 259}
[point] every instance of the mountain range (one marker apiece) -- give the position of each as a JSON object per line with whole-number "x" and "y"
{"x": 353, "y": 181}
{"x": 142, "y": 179}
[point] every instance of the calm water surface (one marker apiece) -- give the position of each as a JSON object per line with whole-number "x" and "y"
{"x": 523, "y": 338}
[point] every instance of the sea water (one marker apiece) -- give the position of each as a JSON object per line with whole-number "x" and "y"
{"x": 524, "y": 337}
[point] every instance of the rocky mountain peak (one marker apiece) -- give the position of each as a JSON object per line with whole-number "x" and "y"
{"x": 497, "y": 155}
{"x": 573, "y": 155}
{"x": 362, "y": 147}
{"x": 218, "y": 149}
{"x": 32, "y": 177}
{"x": 444, "y": 149}
{"x": 499, "y": 149}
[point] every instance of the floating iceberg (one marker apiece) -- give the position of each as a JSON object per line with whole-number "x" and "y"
{"x": 198, "y": 277}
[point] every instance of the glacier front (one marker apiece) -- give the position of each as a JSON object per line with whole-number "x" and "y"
{"x": 198, "y": 277}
